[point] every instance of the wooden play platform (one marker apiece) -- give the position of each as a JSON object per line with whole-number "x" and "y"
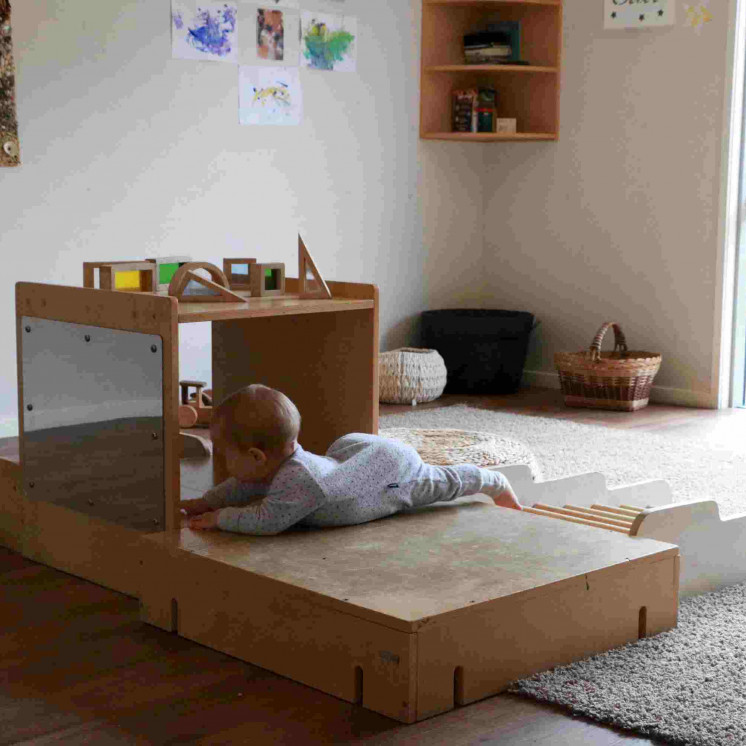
{"x": 409, "y": 616}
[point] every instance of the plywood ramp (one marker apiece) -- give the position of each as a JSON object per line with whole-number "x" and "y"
{"x": 400, "y": 609}
{"x": 713, "y": 549}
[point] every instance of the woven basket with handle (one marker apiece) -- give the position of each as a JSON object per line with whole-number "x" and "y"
{"x": 620, "y": 380}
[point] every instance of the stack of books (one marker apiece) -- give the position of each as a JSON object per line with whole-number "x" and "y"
{"x": 474, "y": 110}
{"x": 500, "y": 44}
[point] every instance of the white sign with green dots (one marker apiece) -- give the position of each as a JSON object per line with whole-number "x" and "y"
{"x": 638, "y": 13}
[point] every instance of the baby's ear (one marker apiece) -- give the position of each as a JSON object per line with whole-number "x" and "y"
{"x": 257, "y": 455}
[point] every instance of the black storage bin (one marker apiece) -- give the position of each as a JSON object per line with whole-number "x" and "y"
{"x": 484, "y": 350}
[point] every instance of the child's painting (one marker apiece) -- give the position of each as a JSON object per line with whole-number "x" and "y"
{"x": 698, "y": 14}
{"x": 270, "y": 95}
{"x": 328, "y": 42}
{"x": 269, "y": 37}
{"x": 204, "y": 31}
{"x": 270, "y": 34}
{"x": 9, "y": 151}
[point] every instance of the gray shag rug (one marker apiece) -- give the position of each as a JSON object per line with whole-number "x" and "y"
{"x": 686, "y": 686}
{"x": 695, "y": 470}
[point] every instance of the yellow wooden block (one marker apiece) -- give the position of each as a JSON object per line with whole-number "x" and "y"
{"x": 128, "y": 280}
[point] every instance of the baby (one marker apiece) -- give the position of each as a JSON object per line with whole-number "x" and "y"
{"x": 276, "y": 484}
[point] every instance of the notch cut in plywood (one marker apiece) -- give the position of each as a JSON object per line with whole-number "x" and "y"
{"x": 310, "y": 282}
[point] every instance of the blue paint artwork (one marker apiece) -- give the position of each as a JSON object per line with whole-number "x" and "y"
{"x": 213, "y": 29}
{"x": 204, "y": 32}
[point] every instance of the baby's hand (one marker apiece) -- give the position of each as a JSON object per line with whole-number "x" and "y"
{"x": 507, "y": 499}
{"x": 204, "y": 522}
{"x": 194, "y": 507}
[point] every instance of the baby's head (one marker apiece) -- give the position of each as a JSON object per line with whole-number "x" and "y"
{"x": 257, "y": 428}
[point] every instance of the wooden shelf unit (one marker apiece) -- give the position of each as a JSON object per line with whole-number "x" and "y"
{"x": 528, "y": 93}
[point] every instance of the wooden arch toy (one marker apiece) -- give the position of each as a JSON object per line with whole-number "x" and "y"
{"x": 218, "y": 284}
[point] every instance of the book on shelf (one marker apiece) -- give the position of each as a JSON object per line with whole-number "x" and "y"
{"x": 474, "y": 110}
{"x": 499, "y": 44}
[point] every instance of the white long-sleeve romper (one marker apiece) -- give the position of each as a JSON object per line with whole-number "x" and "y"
{"x": 361, "y": 478}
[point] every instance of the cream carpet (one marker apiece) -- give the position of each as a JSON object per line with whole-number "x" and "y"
{"x": 695, "y": 470}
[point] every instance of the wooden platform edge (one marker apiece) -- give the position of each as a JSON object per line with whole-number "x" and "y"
{"x": 281, "y": 629}
{"x": 465, "y": 659}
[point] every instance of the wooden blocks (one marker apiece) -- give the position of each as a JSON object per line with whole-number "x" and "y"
{"x": 267, "y": 279}
{"x": 310, "y": 282}
{"x": 139, "y": 277}
{"x": 166, "y": 268}
{"x": 238, "y": 271}
{"x": 217, "y": 286}
{"x": 202, "y": 411}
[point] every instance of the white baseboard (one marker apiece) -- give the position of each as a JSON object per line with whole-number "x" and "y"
{"x": 659, "y": 394}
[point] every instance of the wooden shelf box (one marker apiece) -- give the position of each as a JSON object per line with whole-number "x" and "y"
{"x": 527, "y": 93}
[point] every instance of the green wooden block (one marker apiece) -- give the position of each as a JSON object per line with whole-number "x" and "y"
{"x": 166, "y": 272}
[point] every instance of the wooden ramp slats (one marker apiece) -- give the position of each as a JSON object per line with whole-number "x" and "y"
{"x": 573, "y": 519}
{"x": 617, "y": 518}
{"x": 619, "y": 511}
{"x": 567, "y": 510}
{"x": 633, "y": 508}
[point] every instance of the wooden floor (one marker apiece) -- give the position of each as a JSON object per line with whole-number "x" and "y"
{"x": 77, "y": 666}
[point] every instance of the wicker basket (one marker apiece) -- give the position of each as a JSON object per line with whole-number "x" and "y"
{"x": 410, "y": 375}
{"x": 619, "y": 380}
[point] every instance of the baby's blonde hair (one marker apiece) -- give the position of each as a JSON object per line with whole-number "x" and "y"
{"x": 257, "y": 417}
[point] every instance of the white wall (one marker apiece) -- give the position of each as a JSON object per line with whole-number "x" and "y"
{"x": 619, "y": 219}
{"x": 129, "y": 154}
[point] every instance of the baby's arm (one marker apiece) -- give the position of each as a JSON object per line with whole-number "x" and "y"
{"x": 205, "y": 522}
{"x": 229, "y": 492}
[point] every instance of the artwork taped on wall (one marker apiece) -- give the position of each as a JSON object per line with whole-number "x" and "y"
{"x": 204, "y": 32}
{"x": 9, "y": 147}
{"x": 637, "y": 14}
{"x": 270, "y": 95}
{"x": 328, "y": 42}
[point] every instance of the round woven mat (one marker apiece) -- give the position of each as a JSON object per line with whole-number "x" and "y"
{"x": 448, "y": 447}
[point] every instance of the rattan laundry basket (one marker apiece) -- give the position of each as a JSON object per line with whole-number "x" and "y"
{"x": 619, "y": 380}
{"x": 410, "y": 375}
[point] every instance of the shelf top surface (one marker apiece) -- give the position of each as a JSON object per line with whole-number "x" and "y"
{"x": 278, "y": 305}
{"x": 458, "y": 68}
{"x": 488, "y": 136}
{"x": 487, "y": 3}
{"x": 433, "y": 561}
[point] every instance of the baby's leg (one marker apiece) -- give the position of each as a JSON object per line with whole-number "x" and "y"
{"x": 437, "y": 483}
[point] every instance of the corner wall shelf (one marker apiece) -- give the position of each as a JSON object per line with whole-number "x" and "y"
{"x": 528, "y": 93}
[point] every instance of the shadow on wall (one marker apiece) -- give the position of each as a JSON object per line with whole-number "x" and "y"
{"x": 403, "y": 333}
